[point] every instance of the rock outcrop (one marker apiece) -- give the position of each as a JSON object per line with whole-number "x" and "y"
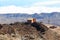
{"x": 22, "y": 31}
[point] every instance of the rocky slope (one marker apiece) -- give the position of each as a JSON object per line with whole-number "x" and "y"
{"x": 22, "y": 31}
{"x": 18, "y": 31}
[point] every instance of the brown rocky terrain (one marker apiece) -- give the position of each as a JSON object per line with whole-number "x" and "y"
{"x": 22, "y": 31}
{"x": 18, "y": 31}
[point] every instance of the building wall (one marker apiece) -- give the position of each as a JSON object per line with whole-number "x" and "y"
{"x": 31, "y": 20}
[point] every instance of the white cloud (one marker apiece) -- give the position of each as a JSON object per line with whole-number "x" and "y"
{"x": 35, "y": 8}
{"x": 46, "y": 3}
{"x": 15, "y": 9}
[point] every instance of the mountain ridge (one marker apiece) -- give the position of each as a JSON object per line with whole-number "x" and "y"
{"x": 53, "y": 17}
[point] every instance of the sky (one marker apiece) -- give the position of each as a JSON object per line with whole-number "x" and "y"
{"x": 29, "y": 6}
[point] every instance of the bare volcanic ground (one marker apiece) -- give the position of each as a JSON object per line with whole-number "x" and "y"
{"x": 22, "y": 31}
{"x": 19, "y": 31}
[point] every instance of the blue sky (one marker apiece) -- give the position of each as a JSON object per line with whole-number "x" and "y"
{"x": 17, "y": 2}
{"x": 29, "y": 6}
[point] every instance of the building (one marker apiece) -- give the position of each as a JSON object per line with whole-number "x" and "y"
{"x": 31, "y": 20}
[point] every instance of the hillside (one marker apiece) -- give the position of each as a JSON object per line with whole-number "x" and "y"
{"x": 19, "y": 31}
{"x": 22, "y": 31}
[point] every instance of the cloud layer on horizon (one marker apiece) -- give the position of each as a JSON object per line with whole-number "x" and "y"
{"x": 38, "y": 7}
